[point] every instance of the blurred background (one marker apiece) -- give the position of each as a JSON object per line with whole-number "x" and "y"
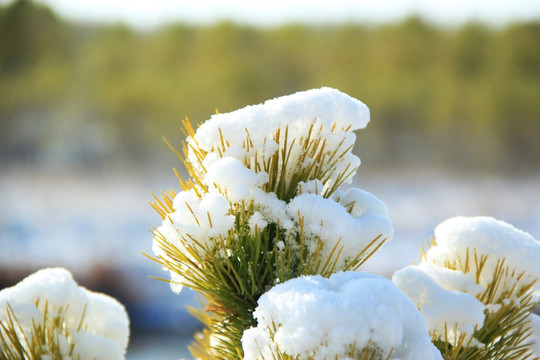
{"x": 87, "y": 90}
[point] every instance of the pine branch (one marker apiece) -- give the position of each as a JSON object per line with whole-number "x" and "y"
{"x": 47, "y": 338}
{"x": 233, "y": 270}
{"x": 506, "y": 331}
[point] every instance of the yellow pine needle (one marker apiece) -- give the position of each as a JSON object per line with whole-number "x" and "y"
{"x": 42, "y": 339}
{"x": 479, "y": 265}
{"x": 364, "y": 256}
{"x": 330, "y": 263}
{"x": 198, "y": 152}
{"x": 223, "y": 147}
{"x": 192, "y": 213}
{"x": 187, "y": 128}
{"x": 423, "y": 255}
{"x": 209, "y": 219}
{"x": 162, "y": 208}
{"x": 167, "y": 200}
{"x": 172, "y": 147}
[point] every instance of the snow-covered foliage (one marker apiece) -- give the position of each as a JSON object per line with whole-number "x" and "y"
{"x": 265, "y": 230}
{"x": 324, "y": 114}
{"x": 444, "y": 304}
{"x": 265, "y": 203}
{"x": 493, "y": 239}
{"x": 57, "y": 319}
{"x": 267, "y": 234}
{"x": 338, "y": 318}
{"x": 478, "y": 283}
{"x": 286, "y": 160}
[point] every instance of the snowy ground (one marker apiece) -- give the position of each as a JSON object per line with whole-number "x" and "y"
{"x": 83, "y": 219}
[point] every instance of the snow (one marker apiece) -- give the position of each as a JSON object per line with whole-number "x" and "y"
{"x": 447, "y": 297}
{"x": 353, "y": 217}
{"x": 234, "y": 177}
{"x": 202, "y": 217}
{"x": 315, "y": 315}
{"x": 105, "y": 331}
{"x": 298, "y": 110}
{"x": 333, "y": 114}
{"x": 256, "y": 221}
{"x": 195, "y": 217}
{"x": 272, "y": 209}
{"x": 494, "y": 238}
{"x": 451, "y": 311}
{"x": 450, "y": 279}
{"x": 330, "y": 221}
{"x": 314, "y": 186}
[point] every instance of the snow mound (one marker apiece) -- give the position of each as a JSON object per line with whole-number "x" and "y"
{"x": 447, "y": 312}
{"x": 105, "y": 331}
{"x": 492, "y": 238}
{"x": 326, "y": 318}
{"x": 450, "y": 280}
{"x": 330, "y": 221}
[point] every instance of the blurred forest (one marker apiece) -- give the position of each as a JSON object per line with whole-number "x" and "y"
{"x": 464, "y": 98}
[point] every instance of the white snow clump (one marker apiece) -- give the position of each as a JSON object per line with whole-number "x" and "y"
{"x": 446, "y": 310}
{"x": 492, "y": 238}
{"x": 446, "y": 289}
{"x": 333, "y": 114}
{"x": 320, "y": 318}
{"x": 104, "y": 333}
{"x": 330, "y": 221}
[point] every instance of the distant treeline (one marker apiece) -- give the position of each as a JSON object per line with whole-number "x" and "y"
{"x": 466, "y": 98}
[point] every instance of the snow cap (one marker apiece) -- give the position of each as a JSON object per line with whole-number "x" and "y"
{"x": 452, "y": 311}
{"x": 333, "y": 115}
{"x": 488, "y": 236}
{"x": 314, "y": 315}
{"x": 105, "y": 331}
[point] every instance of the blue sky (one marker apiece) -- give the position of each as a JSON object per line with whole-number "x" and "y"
{"x": 151, "y": 13}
